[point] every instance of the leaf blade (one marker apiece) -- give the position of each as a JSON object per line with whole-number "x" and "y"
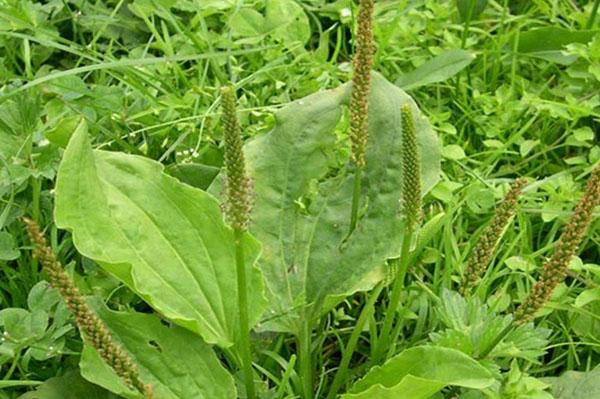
{"x": 422, "y": 371}
{"x": 193, "y": 369}
{"x": 438, "y": 69}
{"x": 303, "y": 195}
{"x": 167, "y": 241}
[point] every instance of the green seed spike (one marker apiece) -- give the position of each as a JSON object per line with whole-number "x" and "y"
{"x": 555, "y": 269}
{"x": 361, "y": 82}
{"x": 93, "y": 329}
{"x": 237, "y": 207}
{"x": 411, "y": 169}
{"x": 238, "y": 187}
{"x": 486, "y": 245}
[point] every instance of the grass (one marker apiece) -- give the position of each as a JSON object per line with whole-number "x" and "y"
{"x": 146, "y": 80}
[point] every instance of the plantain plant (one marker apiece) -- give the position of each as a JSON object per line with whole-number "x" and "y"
{"x": 323, "y": 227}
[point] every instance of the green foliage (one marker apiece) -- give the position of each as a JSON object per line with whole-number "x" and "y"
{"x": 575, "y": 384}
{"x": 470, "y": 9}
{"x": 8, "y": 247}
{"x": 548, "y": 43}
{"x": 520, "y": 98}
{"x": 68, "y": 386}
{"x": 167, "y": 241}
{"x": 519, "y": 385}
{"x": 193, "y": 368}
{"x": 438, "y": 69}
{"x": 420, "y": 372}
{"x": 303, "y": 194}
{"x": 471, "y": 326}
{"x": 37, "y": 333}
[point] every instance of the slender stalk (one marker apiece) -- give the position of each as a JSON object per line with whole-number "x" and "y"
{"x": 36, "y": 190}
{"x": 242, "y": 288}
{"x": 365, "y": 314}
{"x": 397, "y": 287}
{"x": 237, "y": 205}
{"x": 590, "y": 22}
{"x": 467, "y": 25}
{"x": 356, "y": 198}
{"x": 490, "y": 347}
{"x": 411, "y": 204}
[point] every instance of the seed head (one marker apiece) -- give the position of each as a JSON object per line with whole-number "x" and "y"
{"x": 555, "y": 269}
{"x": 237, "y": 187}
{"x": 487, "y": 243}
{"x": 411, "y": 169}
{"x": 361, "y": 82}
{"x": 93, "y": 329}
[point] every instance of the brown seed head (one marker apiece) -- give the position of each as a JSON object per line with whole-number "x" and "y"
{"x": 488, "y": 241}
{"x": 555, "y": 269}
{"x": 361, "y": 82}
{"x": 93, "y": 329}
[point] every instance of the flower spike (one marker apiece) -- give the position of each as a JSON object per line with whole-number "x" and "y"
{"x": 555, "y": 269}
{"x": 92, "y": 327}
{"x": 486, "y": 245}
{"x": 361, "y": 82}
{"x": 238, "y": 187}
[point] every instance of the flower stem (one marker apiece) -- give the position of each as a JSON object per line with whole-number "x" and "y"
{"x": 590, "y": 22}
{"x": 356, "y": 198}
{"x": 398, "y": 285}
{"x": 365, "y": 314}
{"x": 490, "y": 347}
{"x": 242, "y": 288}
{"x": 362, "y": 64}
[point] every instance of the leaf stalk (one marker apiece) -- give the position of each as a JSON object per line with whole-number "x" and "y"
{"x": 365, "y": 314}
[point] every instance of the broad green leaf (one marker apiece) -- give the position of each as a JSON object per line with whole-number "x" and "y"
{"x": 195, "y": 174}
{"x": 576, "y": 385}
{"x": 69, "y": 87}
{"x": 247, "y": 22}
{"x": 8, "y": 247}
{"x": 587, "y": 296}
{"x": 177, "y": 363}
{"x": 303, "y": 198}
{"x": 61, "y": 133}
{"x": 547, "y": 43}
{"x": 520, "y": 263}
{"x": 287, "y": 21}
{"x": 21, "y": 325}
{"x": 9, "y": 144}
{"x": 454, "y": 152}
{"x": 166, "y": 240}
{"x": 419, "y": 372}
{"x": 69, "y": 386}
{"x": 470, "y": 9}
{"x": 439, "y": 68}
